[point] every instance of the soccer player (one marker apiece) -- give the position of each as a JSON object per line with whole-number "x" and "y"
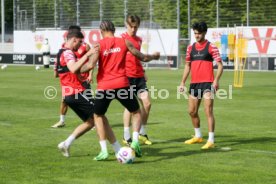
{"x": 76, "y": 96}
{"x": 113, "y": 84}
{"x": 199, "y": 61}
{"x": 136, "y": 77}
{"x": 85, "y": 77}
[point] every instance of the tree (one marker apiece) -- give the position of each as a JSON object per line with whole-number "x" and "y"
{"x": 8, "y": 16}
{"x": 165, "y": 13}
{"x": 231, "y": 12}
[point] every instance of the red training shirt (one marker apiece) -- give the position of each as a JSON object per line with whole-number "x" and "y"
{"x": 69, "y": 81}
{"x": 111, "y": 73}
{"x": 202, "y": 70}
{"x": 134, "y": 67}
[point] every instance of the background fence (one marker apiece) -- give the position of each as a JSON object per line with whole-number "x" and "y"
{"x": 59, "y": 14}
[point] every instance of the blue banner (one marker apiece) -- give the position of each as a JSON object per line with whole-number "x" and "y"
{"x": 224, "y": 46}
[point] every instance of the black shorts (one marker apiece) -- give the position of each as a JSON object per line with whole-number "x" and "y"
{"x": 198, "y": 89}
{"x": 124, "y": 95}
{"x": 81, "y": 104}
{"x": 86, "y": 85}
{"x": 139, "y": 85}
{"x": 88, "y": 90}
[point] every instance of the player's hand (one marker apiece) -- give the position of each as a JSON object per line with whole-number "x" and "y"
{"x": 156, "y": 55}
{"x": 215, "y": 85}
{"x": 182, "y": 88}
{"x": 95, "y": 49}
{"x": 89, "y": 79}
{"x": 96, "y": 46}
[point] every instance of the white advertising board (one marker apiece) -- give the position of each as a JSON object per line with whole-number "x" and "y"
{"x": 261, "y": 40}
{"x": 165, "y": 41}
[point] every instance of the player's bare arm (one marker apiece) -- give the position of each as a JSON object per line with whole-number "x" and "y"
{"x": 139, "y": 55}
{"x": 186, "y": 73}
{"x": 87, "y": 47}
{"x": 75, "y": 67}
{"x": 218, "y": 75}
{"x": 93, "y": 59}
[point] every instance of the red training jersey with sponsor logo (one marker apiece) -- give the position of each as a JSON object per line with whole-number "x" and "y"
{"x": 134, "y": 67}
{"x": 201, "y": 57}
{"x": 69, "y": 81}
{"x": 111, "y": 73}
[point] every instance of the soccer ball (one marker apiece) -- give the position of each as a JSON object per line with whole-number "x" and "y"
{"x": 3, "y": 67}
{"x": 37, "y": 67}
{"x": 126, "y": 155}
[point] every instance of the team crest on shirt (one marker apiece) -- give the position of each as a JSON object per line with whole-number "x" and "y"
{"x": 112, "y": 50}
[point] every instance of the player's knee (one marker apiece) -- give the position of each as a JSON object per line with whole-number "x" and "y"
{"x": 137, "y": 112}
{"x": 90, "y": 123}
{"x": 192, "y": 112}
{"x": 147, "y": 105}
{"x": 208, "y": 112}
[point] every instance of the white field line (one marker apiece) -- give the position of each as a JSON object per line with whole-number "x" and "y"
{"x": 260, "y": 151}
{"x": 5, "y": 123}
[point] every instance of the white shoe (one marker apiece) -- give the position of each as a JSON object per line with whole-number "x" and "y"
{"x": 64, "y": 150}
{"x": 58, "y": 124}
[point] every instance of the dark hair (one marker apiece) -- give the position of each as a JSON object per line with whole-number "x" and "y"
{"x": 107, "y": 25}
{"x": 76, "y": 34}
{"x": 133, "y": 19}
{"x": 74, "y": 28}
{"x": 200, "y": 27}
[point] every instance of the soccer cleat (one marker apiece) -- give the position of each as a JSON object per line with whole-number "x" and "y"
{"x": 194, "y": 140}
{"x": 58, "y": 124}
{"x": 136, "y": 147}
{"x": 127, "y": 142}
{"x": 208, "y": 145}
{"x": 101, "y": 156}
{"x": 64, "y": 150}
{"x": 144, "y": 139}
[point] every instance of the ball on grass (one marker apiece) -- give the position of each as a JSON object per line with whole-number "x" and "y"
{"x": 3, "y": 67}
{"x": 126, "y": 155}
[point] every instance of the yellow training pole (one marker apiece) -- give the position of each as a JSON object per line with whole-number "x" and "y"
{"x": 239, "y": 64}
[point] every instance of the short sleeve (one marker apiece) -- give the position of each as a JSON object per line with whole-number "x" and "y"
{"x": 188, "y": 53}
{"x": 69, "y": 56}
{"x": 214, "y": 51}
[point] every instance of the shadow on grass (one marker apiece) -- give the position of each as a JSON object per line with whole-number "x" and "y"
{"x": 161, "y": 156}
{"x": 121, "y": 125}
{"x": 161, "y": 149}
{"x": 177, "y": 147}
{"x": 223, "y": 145}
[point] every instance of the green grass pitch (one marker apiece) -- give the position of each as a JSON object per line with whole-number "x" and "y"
{"x": 245, "y": 123}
